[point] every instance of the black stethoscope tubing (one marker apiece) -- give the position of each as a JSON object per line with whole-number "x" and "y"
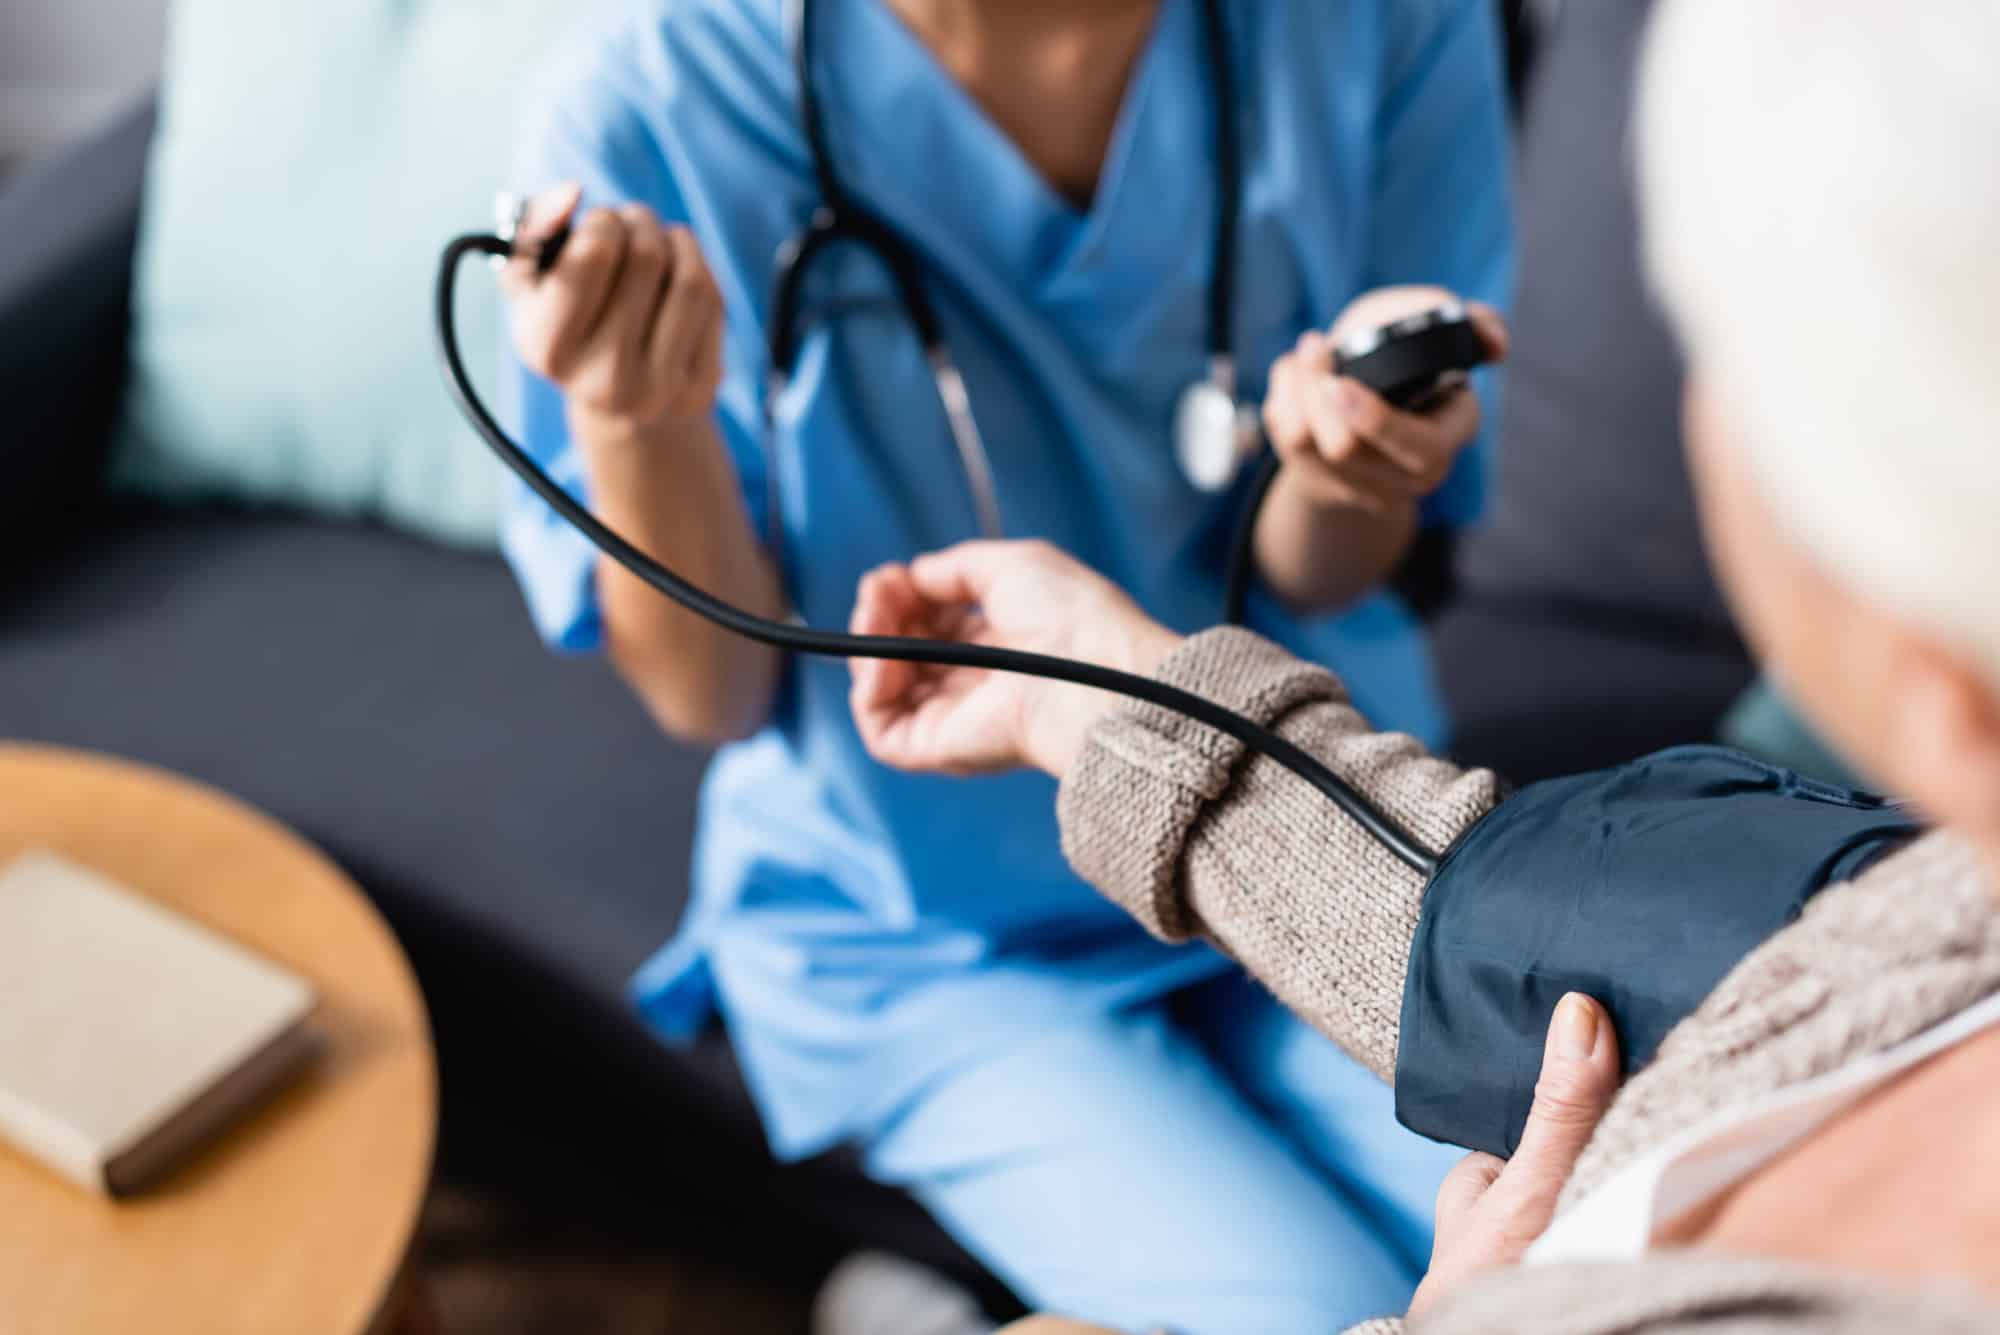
{"x": 837, "y": 218}
{"x": 838, "y": 644}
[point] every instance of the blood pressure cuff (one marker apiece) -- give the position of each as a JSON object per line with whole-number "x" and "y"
{"x": 1640, "y": 886}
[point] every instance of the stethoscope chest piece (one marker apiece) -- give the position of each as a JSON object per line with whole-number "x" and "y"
{"x": 1213, "y": 435}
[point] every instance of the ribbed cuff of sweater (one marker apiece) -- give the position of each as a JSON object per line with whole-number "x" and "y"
{"x": 1146, "y": 772}
{"x": 1177, "y": 825}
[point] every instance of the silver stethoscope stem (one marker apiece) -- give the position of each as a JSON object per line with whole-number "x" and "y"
{"x": 972, "y": 456}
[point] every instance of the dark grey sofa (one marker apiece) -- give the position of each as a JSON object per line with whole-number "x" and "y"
{"x": 1587, "y": 627}
{"x": 524, "y": 828}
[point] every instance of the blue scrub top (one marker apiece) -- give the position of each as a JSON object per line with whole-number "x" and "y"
{"x": 863, "y": 930}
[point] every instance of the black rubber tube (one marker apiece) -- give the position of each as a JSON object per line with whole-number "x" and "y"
{"x": 837, "y": 644}
{"x": 1243, "y": 539}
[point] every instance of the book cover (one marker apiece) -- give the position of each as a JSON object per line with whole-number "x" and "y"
{"x": 130, "y": 1035}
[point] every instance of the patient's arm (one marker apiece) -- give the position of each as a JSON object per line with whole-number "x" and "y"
{"x": 1196, "y": 837}
{"x": 1166, "y": 817}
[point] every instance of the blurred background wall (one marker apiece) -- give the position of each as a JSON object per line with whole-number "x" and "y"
{"x": 67, "y": 65}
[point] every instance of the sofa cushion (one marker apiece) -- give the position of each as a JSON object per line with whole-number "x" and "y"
{"x": 65, "y": 275}
{"x": 1591, "y": 505}
{"x": 1540, "y": 690}
{"x": 312, "y": 160}
{"x": 385, "y": 697}
{"x": 1589, "y": 629}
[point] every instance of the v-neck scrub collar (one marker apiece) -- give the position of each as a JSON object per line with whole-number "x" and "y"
{"x": 919, "y": 151}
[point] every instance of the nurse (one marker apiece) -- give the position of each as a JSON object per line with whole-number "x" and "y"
{"x": 905, "y": 963}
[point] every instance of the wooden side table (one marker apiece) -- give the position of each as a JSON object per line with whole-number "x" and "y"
{"x": 298, "y": 1220}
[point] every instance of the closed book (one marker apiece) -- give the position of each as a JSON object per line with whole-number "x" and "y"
{"x": 130, "y": 1035}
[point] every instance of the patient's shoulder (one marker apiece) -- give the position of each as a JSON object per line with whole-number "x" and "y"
{"x": 1899, "y": 1185}
{"x": 1868, "y": 964}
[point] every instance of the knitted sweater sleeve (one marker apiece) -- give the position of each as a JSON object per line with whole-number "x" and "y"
{"x": 1195, "y": 837}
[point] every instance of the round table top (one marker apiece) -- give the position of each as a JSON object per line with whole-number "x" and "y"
{"x": 298, "y": 1219}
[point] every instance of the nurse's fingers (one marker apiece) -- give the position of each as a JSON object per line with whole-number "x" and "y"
{"x": 963, "y": 574}
{"x": 563, "y": 310}
{"x": 546, "y": 214}
{"x": 1294, "y": 377}
{"x": 1364, "y": 481}
{"x": 1324, "y": 456}
{"x": 875, "y": 714}
{"x": 705, "y": 378}
{"x": 871, "y": 698}
{"x": 618, "y": 377}
{"x": 1458, "y": 418}
{"x": 687, "y": 333}
{"x": 878, "y": 684}
{"x": 1349, "y": 457}
{"x": 899, "y": 607}
{"x": 879, "y": 690}
{"x": 1284, "y": 419}
{"x": 885, "y": 603}
{"x": 1492, "y": 327}
{"x": 1314, "y": 352}
{"x": 1422, "y": 444}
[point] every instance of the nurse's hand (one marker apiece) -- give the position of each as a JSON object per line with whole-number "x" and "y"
{"x": 628, "y": 324}
{"x": 1343, "y": 446}
{"x": 1015, "y": 595}
{"x": 1489, "y": 1210}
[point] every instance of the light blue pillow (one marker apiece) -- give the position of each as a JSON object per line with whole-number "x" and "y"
{"x": 312, "y": 160}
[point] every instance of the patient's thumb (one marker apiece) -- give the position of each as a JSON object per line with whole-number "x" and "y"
{"x": 1580, "y": 1073}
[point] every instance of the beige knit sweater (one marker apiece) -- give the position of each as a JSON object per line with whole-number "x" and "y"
{"x": 1196, "y": 839}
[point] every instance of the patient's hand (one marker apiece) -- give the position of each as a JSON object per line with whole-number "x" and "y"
{"x": 1490, "y": 1211}
{"x": 1014, "y": 595}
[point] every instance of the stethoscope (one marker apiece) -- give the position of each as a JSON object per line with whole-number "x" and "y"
{"x": 1213, "y": 432}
